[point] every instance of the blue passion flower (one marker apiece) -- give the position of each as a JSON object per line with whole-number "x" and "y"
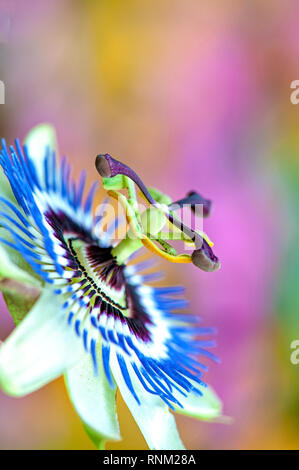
{"x": 85, "y": 309}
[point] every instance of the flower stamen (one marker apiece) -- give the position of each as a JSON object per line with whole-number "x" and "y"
{"x": 116, "y": 175}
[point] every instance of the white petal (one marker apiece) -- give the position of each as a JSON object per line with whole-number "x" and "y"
{"x": 207, "y": 407}
{"x": 153, "y": 417}
{"x": 37, "y": 140}
{"x": 93, "y": 399}
{"x": 40, "y": 348}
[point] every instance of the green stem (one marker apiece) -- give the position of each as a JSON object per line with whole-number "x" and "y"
{"x": 126, "y": 248}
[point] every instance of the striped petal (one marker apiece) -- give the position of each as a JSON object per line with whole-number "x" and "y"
{"x": 93, "y": 399}
{"x": 39, "y": 350}
{"x": 151, "y": 414}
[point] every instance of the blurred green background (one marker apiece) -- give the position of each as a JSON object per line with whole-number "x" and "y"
{"x": 192, "y": 95}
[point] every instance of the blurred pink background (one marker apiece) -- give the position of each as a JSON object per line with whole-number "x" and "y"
{"x": 192, "y": 95}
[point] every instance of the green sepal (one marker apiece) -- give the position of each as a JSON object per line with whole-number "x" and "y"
{"x": 5, "y": 188}
{"x": 19, "y": 301}
{"x": 20, "y": 285}
{"x": 12, "y": 264}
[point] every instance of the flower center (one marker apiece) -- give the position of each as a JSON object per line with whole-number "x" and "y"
{"x": 92, "y": 272}
{"x": 95, "y": 281}
{"x": 100, "y": 270}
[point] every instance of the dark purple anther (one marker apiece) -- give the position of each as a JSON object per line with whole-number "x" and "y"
{"x": 194, "y": 199}
{"x": 108, "y": 167}
{"x": 205, "y": 259}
